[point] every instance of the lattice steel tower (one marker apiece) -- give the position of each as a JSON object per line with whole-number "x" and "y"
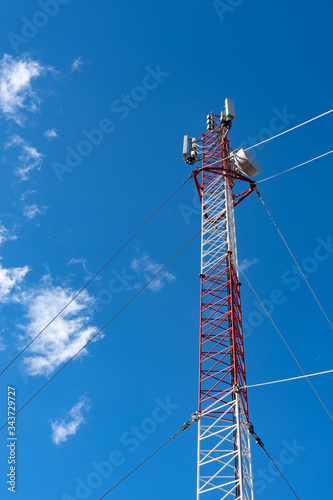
{"x": 224, "y": 456}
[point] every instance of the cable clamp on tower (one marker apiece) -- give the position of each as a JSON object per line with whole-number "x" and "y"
{"x": 237, "y": 388}
{"x": 195, "y": 417}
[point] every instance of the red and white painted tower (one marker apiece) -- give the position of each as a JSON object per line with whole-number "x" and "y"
{"x": 224, "y": 456}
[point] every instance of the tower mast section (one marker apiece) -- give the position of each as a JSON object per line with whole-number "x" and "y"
{"x": 224, "y": 455}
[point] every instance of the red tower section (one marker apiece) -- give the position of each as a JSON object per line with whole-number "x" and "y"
{"x": 224, "y": 461}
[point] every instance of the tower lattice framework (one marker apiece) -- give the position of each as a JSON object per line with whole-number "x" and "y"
{"x": 224, "y": 455}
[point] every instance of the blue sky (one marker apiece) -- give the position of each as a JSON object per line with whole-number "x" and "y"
{"x": 94, "y": 101}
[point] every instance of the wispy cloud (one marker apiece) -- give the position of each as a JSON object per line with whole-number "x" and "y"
{"x": 51, "y": 133}
{"x": 30, "y": 159}
{"x": 6, "y": 234}
{"x": 76, "y": 66}
{"x": 69, "y": 425}
{"x": 16, "y": 93}
{"x": 27, "y": 193}
{"x": 146, "y": 268}
{"x": 65, "y": 336}
{"x": 81, "y": 261}
{"x": 30, "y": 211}
{"x": 10, "y": 280}
{"x": 246, "y": 263}
{"x": 2, "y": 345}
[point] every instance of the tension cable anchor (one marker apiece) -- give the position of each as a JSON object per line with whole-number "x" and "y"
{"x": 186, "y": 425}
{"x": 257, "y": 439}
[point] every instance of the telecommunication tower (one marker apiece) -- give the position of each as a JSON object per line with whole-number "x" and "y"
{"x": 224, "y": 455}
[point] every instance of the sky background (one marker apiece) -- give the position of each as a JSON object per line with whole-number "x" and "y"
{"x": 67, "y": 206}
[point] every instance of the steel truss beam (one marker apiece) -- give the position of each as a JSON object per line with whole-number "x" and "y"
{"x": 224, "y": 457}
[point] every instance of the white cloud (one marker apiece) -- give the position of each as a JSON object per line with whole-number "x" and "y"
{"x": 27, "y": 193}
{"x": 5, "y": 234}
{"x": 78, "y": 261}
{"x": 246, "y": 263}
{"x": 51, "y": 133}
{"x": 2, "y": 345}
{"x": 16, "y": 94}
{"x": 146, "y": 268}
{"x": 76, "y": 66}
{"x": 10, "y": 280}
{"x": 68, "y": 426}
{"x": 30, "y": 159}
{"x": 65, "y": 336}
{"x": 83, "y": 262}
{"x": 30, "y": 211}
